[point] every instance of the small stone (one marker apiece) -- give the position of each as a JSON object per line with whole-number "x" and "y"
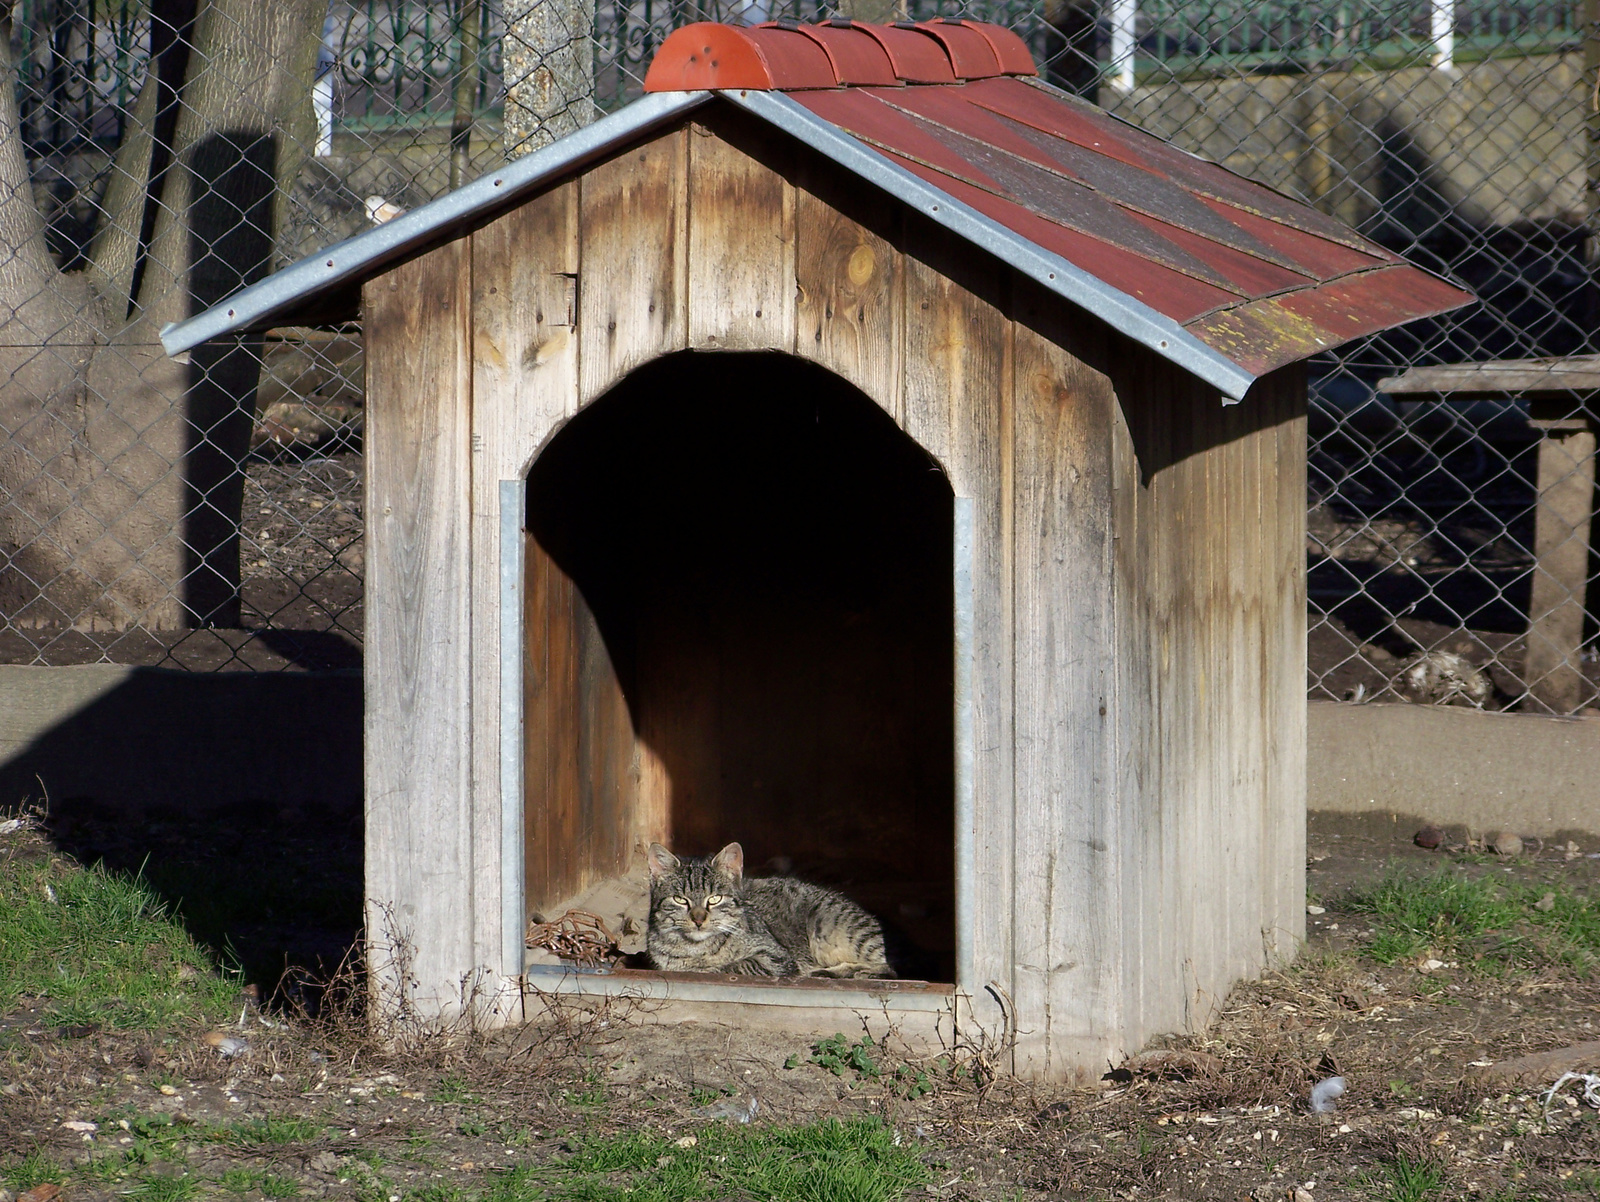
{"x": 1429, "y": 837}
{"x": 1546, "y": 903}
{"x": 82, "y": 1126}
{"x": 1300, "y": 1194}
{"x": 1315, "y": 910}
{"x": 168, "y": 1091}
{"x": 1506, "y": 844}
{"x": 325, "y": 1162}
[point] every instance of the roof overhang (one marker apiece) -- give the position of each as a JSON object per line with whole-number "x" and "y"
{"x": 290, "y": 296}
{"x": 1132, "y": 317}
{"x": 281, "y": 298}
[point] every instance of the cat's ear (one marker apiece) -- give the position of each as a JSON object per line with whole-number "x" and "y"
{"x": 730, "y": 860}
{"x": 662, "y": 861}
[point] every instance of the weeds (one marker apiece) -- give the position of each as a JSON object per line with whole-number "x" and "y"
{"x": 162, "y": 1188}
{"x": 273, "y": 1130}
{"x": 1479, "y": 921}
{"x": 838, "y": 1055}
{"x": 453, "y": 1088}
{"x": 274, "y": 1186}
{"x": 33, "y": 1169}
{"x": 1409, "y": 1179}
{"x": 239, "y": 1181}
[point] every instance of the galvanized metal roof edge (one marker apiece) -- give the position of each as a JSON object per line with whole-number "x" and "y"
{"x": 1132, "y": 317}
{"x": 347, "y": 260}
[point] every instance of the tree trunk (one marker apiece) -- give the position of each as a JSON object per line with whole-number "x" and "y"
{"x": 122, "y": 469}
{"x": 548, "y": 58}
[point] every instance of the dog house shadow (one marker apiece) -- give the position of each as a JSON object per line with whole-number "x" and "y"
{"x": 739, "y": 621}
{"x": 233, "y": 797}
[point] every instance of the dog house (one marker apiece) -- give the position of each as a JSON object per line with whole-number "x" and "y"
{"x": 863, "y": 450}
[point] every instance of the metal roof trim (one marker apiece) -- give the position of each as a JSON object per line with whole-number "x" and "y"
{"x": 349, "y": 259}
{"x": 1133, "y": 317}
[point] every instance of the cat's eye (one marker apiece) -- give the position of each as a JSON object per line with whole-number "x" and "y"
{"x": 681, "y": 901}
{"x": 714, "y": 900}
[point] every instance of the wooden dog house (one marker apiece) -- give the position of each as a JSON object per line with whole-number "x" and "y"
{"x": 861, "y": 449}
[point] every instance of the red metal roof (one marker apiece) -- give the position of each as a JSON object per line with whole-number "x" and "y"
{"x": 1262, "y": 279}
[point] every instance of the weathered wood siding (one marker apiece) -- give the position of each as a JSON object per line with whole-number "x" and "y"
{"x": 421, "y": 886}
{"x": 1209, "y": 595}
{"x": 1138, "y": 569}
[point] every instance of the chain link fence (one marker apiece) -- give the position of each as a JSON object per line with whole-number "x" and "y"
{"x": 207, "y": 515}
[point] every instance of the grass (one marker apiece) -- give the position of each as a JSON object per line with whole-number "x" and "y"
{"x": 34, "y": 1169}
{"x": 1409, "y": 1180}
{"x": 161, "y": 1188}
{"x": 98, "y": 948}
{"x": 274, "y": 1186}
{"x": 830, "y": 1161}
{"x": 273, "y": 1130}
{"x": 1480, "y": 922}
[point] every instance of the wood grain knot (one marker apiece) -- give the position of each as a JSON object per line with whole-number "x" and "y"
{"x": 861, "y": 266}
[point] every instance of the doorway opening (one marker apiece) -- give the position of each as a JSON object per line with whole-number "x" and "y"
{"x": 739, "y": 625}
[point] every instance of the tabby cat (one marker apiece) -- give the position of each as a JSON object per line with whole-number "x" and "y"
{"x": 705, "y": 916}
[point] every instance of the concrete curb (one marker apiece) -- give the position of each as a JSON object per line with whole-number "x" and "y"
{"x": 1378, "y": 767}
{"x": 150, "y": 739}
{"x": 145, "y": 739}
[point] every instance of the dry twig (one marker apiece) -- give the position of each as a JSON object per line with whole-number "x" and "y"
{"x": 577, "y": 935}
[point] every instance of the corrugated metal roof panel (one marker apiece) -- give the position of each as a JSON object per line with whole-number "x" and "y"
{"x": 1184, "y": 236}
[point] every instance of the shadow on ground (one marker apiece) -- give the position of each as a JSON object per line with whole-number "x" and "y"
{"x": 266, "y": 888}
{"x": 235, "y": 795}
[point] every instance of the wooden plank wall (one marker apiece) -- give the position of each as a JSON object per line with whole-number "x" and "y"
{"x": 1138, "y": 567}
{"x": 418, "y": 681}
{"x": 1210, "y": 606}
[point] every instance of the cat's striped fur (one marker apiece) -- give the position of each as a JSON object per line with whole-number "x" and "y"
{"x": 705, "y": 916}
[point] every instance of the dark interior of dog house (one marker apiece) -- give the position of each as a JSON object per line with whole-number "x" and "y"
{"x": 739, "y": 619}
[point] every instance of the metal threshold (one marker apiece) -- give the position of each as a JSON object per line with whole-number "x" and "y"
{"x": 785, "y": 992}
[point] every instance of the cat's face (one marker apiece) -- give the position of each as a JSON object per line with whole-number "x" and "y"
{"x": 696, "y": 898}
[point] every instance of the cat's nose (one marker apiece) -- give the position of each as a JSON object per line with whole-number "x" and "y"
{"x": 699, "y": 917}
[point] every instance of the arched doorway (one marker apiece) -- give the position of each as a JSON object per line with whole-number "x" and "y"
{"x": 740, "y": 626}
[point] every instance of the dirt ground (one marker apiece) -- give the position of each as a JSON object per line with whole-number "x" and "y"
{"x": 315, "y": 1109}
